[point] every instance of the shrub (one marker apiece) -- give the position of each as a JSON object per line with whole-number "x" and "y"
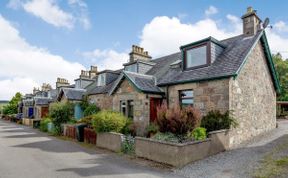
{"x": 177, "y": 121}
{"x": 130, "y": 128}
{"x": 108, "y": 121}
{"x": 152, "y": 129}
{"x": 198, "y": 133}
{"x": 61, "y": 113}
{"x": 167, "y": 137}
{"x": 86, "y": 120}
{"x": 90, "y": 110}
{"x": 215, "y": 120}
{"x": 44, "y": 124}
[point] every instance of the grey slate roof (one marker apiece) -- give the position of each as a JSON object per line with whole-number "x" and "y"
{"x": 42, "y": 101}
{"x": 142, "y": 82}
{"x": 94, "y": 89}
{"x": 227, "y": 64}
{"x": 72, "y": 93}
{"x": 163, "y": 64}
{"x": 145, "y": 83}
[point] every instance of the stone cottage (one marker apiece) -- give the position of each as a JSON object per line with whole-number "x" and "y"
{"x": 97, "y": 92}
{"x": 231, "y": 74}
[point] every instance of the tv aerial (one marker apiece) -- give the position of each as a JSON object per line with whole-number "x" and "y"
{"x": 266, "y": 23}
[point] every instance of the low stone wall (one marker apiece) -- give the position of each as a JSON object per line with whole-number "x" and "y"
{"x": 110, "y": 140}
{"x": 219, "y": 141}
{"x": 27, "y": 121}
{"x": 180, "y": 154}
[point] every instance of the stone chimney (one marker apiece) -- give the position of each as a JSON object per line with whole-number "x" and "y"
{"x": 93, "y": 71}
{"x": 84, "y": 74}
{"x": 61, "y": 82}
{"x": 138, "y": 53}
{"x": 46, "y": 87}
{"x": 251, "y": 22}
{"x": 35, "y": 90}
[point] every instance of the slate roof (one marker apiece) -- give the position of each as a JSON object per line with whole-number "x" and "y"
{"x": 163, "y": 64}
{"x": 72, "y": 93}
{"x": 42, "y": 101}
{"x": 53, "y": 94}
{"x": 145, "y": 83}
{"x": 142, "y": 82}
{"x": 227, "y": 64}
{"x": 94, "y": 89}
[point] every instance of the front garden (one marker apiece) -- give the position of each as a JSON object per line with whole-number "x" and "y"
{"x": 177, "y": 137}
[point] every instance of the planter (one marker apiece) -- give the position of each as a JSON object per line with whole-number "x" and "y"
{"x": 174, "y": 154}
{"x": 110, "y": 140}
{"x": 180, "y": 154}
{"x": 90, "y": 136}
{"x": 219, "y": 141}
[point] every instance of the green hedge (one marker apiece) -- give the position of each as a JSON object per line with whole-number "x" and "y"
{"x": 44, "y": 124}
{"x": 108, "y": 121}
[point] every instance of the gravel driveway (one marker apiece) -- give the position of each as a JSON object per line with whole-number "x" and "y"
{"x": 240, "y": 162}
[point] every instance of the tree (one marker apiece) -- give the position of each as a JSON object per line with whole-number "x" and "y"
{"x": 281, "y": 66}
{"x": 12, "y": 107}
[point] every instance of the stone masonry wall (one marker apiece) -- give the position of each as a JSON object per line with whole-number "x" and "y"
{"x": 253, "y": 98}
{"x": 103, "y": 101}
{"x": 141, "y": 104}
{"x": 141, "y": 101}
{"x": 208, "y": 95}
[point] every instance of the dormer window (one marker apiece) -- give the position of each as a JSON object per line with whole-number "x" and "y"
{"x": 101, "y": 79}
{"x": 131, "y": 68}
{"x": 201, "y": 53}
{"x": 196, "y": 56}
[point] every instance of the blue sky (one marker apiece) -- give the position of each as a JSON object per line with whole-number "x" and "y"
{"x": 70, "y": 35}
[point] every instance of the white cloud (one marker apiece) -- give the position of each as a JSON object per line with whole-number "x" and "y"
{"x": 106, "y": 59}
{"x": 164, "y": 35}
{"x": 26, "y": 85}
{"x": 211, "y": 10}
{"x": 51, "y": 13}
{"x": 22, "y": 66}
{"x": 281, "y": 26}
{"x": 82, "y": 17}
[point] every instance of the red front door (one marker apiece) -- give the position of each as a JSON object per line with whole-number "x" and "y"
{"x": 154, "y": 103}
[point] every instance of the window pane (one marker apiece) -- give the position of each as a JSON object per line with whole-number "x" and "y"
{"x": 101, "y": 80}
{"x": 196, "y": 56}
{"x": 187, "y": 94}
{"x": 130, "y": 109}
{"x": 131, "y": 68}
{"x": 187, "y": 102}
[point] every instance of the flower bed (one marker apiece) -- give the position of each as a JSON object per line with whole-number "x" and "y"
{"x": 180, "y": 154}
{"x": 90, "y": 136}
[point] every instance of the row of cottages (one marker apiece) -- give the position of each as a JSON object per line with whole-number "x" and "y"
{"x": 36, "y": 105}
{"x": 233, "y": 74}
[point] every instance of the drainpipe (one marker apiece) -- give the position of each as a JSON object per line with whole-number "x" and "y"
{"x": 167, "y": 95}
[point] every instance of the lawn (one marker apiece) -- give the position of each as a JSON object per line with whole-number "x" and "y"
{"x": 274, "y": 163}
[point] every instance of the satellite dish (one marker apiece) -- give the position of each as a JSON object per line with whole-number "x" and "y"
{"x": 266, "y": 23}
